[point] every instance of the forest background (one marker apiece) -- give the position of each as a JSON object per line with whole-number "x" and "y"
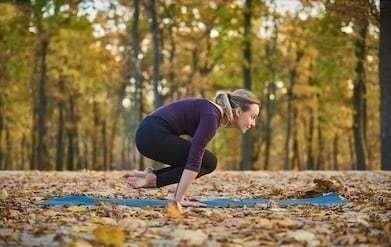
{"x": 78, "y": 76}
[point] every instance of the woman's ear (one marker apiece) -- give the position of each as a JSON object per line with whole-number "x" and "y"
{"x": 238, "y": 111}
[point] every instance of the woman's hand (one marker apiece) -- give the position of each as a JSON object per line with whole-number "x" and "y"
{"x": 187, "y": 178}
{"x": 192, "y": 203}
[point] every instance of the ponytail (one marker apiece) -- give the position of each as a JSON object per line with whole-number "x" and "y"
{"x": 230, "y": 100}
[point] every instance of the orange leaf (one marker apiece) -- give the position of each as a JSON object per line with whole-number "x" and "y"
{"x": 174, "y": 210}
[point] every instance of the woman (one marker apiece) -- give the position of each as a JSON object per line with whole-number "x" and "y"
{"x": 158, "y": 138}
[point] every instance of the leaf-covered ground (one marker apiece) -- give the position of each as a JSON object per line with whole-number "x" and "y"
{"x": 364, "y": 220}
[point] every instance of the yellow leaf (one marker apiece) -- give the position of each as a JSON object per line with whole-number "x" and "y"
{"x": 174, "y": 210}
{"x": 85, "y": 228}
{"x": 265, "y": 223}
{"x": 306, "y": 236}
{"x": 192, "y": 237}
{"x": 132, "y": 223}
{"x": 76, "y": 209}
{"x": 3, "y": 195}
{"x": 109, "y": 235}
{"x": 80, "y": 243}
{"x": 103, "y": 221}
{"x": 287, "y": 222}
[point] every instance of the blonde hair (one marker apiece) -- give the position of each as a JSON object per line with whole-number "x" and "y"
{"x": 230, "y": 100}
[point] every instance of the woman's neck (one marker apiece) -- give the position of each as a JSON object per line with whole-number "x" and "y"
{"x": 223, "y": 120}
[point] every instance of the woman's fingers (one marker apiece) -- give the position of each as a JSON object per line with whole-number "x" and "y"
{"x": 192, "y": 203}
{"x": 191, "y": 199}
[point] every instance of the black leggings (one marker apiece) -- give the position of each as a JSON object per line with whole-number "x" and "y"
{"x": 155, "y": 140}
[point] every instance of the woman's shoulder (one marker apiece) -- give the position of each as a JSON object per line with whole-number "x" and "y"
{"x": 205, "y": 105}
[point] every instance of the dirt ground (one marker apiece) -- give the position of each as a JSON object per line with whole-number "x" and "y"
{"x": 364, "y": 220}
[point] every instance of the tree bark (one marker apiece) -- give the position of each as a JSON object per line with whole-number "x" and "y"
{"x": 1, "y": 132}
{"x": 246, "y": 162}
{"x": 42, "y": 155}
{"x": 24, "y": 153}
{"x": 320, "y": 156}
{"x": 292, "y": 82}
{"x": 385, "y": 83}
{"x": 104, "y": 145}
{"x": 358, "y": 98}
{"x": 335, "y": 152}
{"x": 295, "y": 145}
{"x": 155, "y": 54}
{"x": 71, "y": 133}
{"x": 9, "y": 164}
{"x": 94, "y": 153}
{"x": 310, "y": 137}
{"x": 61, "y": 126}
{"x": 137, "y": 73}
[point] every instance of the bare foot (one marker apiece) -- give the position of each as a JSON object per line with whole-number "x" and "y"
{"x": 136, "y": 173}
{"x": 148, "y": 181}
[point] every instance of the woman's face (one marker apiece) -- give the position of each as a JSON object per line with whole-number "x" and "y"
{"x": 244, "y": 120}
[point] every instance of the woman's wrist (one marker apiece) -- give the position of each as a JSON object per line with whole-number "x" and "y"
{"x": 177, "y": 198}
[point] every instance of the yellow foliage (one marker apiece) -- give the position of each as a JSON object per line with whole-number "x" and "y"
{"x": 109, "y": 235}
{"x": 103, "y": 221}
{"x": 174, "y": 210}
{"x": 80, "y": 243}
{"x": 76, "y": 209}
{"x": 3, "y": 194}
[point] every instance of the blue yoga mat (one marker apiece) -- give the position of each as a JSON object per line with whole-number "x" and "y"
{"x": 327, "y": 199}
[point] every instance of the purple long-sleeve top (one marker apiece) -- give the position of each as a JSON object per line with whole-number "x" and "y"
{"x": 196, "y": 117}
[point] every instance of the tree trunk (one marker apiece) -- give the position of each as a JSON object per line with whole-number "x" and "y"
{"x": 78, "y": 159}
{"x": 295, "y": 146}
{"x": 42, "y": 155}
{"x": 158, "y": 99}
{"x": 71, "y": 137}
{"x": 94, "y": 153}
{"x": 358, "y": 99}
{"x": 270, "y": 50}
{"x": 270, "y": 110}
{"x": 171, "y": 70}
{"x": 320, "y": 158}
{"x": 246, "y": 162}
{"x": 310, "y": 137}
{"x": 335, "y": 152}
{"x": 112, "y": 141}
{"x": 292, "y": 82}
{"x": 351, "y": 153}
{"x": 1, "y": 132}
{"x": 60, "y": 131}
{"x": 9, "y": 164}
{"x": 155, "y": 54}
{"x": 24, "y": 153}
{"x": 104, "y": 145}
{"x": 85, "y": 156}
{"x": 385, "y": 83}
{"x": 137, "y": 72}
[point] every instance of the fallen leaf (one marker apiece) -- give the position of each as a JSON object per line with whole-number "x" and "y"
{"x": 80, "y": 243}
{"x": 192, "y": 237}
{"x": 305, "y": 236}
{"x": 132, "y": 223}
{"x": 174, "y": 210}
{"x": 84, "y": 228}
{"x": 286, "y": 222}
{"x": 3, "y": 194}
{"x": 103, "y": 220}
{"x": 265, "y": 223}
{"x": 76, "y": 209}
{"x": 109, "y": 235}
